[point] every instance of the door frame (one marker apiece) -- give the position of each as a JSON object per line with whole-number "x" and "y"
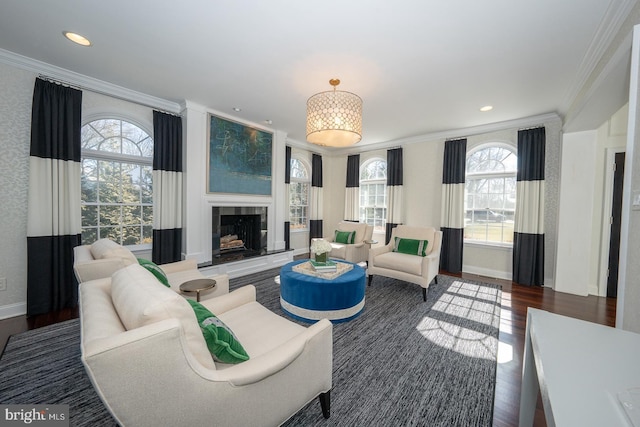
{"x": 607, "y": 205}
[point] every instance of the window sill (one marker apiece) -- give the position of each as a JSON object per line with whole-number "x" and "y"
{"x": 489, "y": 245}
{"x": 299, "y": 230}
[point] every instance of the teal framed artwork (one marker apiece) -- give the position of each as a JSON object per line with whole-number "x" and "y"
{"x": 239, "y": 158}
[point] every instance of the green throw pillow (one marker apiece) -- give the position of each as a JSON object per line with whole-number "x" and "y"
{"x": 155, "y": 270}
{"x": 221, "y": 342}
{"x": 410, "y": 246}
{"x": 346, "y": 237}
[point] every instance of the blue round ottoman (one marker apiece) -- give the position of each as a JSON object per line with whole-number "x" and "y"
{"x": 310, "y": 298}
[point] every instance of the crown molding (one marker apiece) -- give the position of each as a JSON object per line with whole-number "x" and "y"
{"x": 614, "y": 18}
{"x": 86, "y": 82}
{"x": 434, "y": 136}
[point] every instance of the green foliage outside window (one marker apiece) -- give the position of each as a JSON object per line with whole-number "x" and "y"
{"x": 116, "y": 183}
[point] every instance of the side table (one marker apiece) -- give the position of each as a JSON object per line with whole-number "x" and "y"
{"x": 197, "y": 286}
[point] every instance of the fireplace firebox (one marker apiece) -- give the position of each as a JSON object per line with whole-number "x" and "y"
{"x": 238, "y": 232}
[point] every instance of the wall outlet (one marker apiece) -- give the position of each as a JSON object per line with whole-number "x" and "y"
{"x": 3, "y": 283}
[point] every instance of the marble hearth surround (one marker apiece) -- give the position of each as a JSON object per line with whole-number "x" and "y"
{"x": 198, "y": 203}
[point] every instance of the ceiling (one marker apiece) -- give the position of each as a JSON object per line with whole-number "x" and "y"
{"x": 421, "y": 67}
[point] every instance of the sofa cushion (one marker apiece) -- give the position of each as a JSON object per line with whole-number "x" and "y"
{"x": 346, "y": 237}
{"x": 399, "y": 262}
{"x": 153, "y": 268}
{"x": 410, "y": 246}
{"x": 140, "y": 300}
{"x": 221, "y": 342}
{"x": 106, "y": 248}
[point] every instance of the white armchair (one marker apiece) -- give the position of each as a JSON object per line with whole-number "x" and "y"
{"x": 421, "y": 270}
{"x": 143, "y": 349}
{"x": 356, "y": 252}
{"x": 104, "y": 257}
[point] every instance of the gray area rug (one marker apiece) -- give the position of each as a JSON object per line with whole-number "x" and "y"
{"x": 402, "y": 362}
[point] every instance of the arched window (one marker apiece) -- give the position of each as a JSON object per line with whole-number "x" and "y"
{"x": 373, "y": 194}
{"x": 299, "y": 195}
{"x": 490, "y": 194}
{"x": 117, "y": 187}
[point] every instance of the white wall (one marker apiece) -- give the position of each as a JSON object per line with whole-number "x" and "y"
{"x": 16, "y": 87}
{"x": 577, "y": 183}
{"x": 628, "y": 315}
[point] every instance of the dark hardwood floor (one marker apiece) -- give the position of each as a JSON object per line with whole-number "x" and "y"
{"x": 515, "y": 300}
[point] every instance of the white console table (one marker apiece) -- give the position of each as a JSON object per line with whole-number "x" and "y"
{"x": 578, "y": 367}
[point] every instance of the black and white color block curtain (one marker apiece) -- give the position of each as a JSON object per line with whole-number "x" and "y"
{"x": 528, "y": 236}
{"x": 287, "y": 198}
{"x": 54, "y": 214}
{"x": 167, "y": 188}
{"x": 455, "y": 155}
{"x": 315, "y": 216}
{"x": 394, "y": 190}
{"x": 352, "y": 193}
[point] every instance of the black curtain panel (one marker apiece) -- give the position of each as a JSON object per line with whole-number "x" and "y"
{"x": 528, "y": 236}
{"x": 394, "y": 190}
{"x": 352, "y": 193}
{"x": 315, "y": 218}
{"x": 453, "y": 174}
{"x": 287, "y": 210}
{"x": 167, "y": 188}
{"x": 54, "y": 214}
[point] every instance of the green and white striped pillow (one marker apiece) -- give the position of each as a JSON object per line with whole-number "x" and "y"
{"x": 410, "y": 246}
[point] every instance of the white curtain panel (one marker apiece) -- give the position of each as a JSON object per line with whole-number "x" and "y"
{"x": 167, "y": 185}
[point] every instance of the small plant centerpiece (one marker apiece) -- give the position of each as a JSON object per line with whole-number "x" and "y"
{"x": 320, "y": 249}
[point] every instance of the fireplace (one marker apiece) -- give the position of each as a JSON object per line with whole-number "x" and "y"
{"x": 238, "y": 232}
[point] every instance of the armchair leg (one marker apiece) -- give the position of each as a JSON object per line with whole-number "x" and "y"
{"x": 436, "y": 279}
{"x": 325, "y": 404}
{"x": 424, "y": 294}
{"x": 370, "y": 279}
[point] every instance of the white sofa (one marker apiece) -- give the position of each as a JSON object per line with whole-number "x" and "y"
{"x": 420, "y": 270}
{"x": 356, "y": 252}
{"x": 104, "y": 257}
{"x": 147, "y": 359}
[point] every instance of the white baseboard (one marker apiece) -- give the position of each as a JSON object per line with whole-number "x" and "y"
{"x": 13, "y": 310}
{"x": 487, "y": 272}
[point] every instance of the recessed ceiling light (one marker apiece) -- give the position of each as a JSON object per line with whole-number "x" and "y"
{"x": 486, "y": 108}
{"x": 237, "y": 109}
{"x": 77, "y": 38}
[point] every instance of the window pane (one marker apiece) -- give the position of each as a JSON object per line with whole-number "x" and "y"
{"x": 89, "y": 215}
{"x": 147, "y": 234}
{"x": 147, "y": 215}
{"x": 131, "y": 215}
{"x": 89, "y": 180}
{"x": 130, "y": 183}
{"x": 109, "y": 215}
{"x": 89, "y": 235}
{"x": 131, "y": 235}
{"x": 112, "y": 233}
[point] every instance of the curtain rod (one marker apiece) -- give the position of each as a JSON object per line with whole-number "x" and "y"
{"x": 99, "y": 92}
{"x": 531, "y": 127}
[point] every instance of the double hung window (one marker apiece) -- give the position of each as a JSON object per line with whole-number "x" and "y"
{"x": 490, "y": 194}
{"x": 373, "y": 194}
{"x": 299, "y": 195}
